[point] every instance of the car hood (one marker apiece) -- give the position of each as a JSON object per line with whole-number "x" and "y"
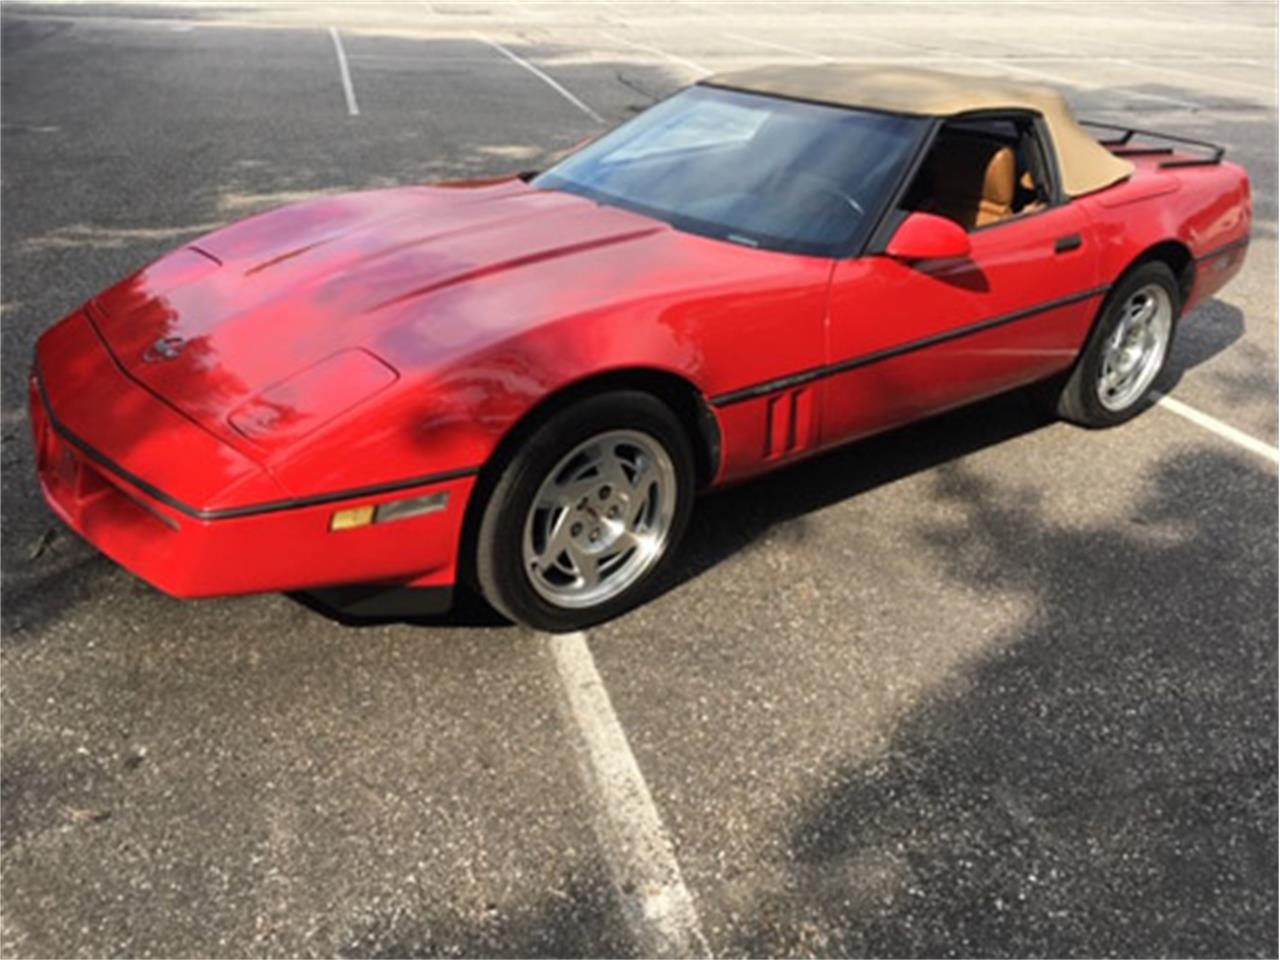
{"x": 262, "y": 327}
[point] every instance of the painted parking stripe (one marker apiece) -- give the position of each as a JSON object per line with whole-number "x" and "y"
{"x": 1136, "y": 63}
{"x": 1187, "y": 74}
{"x": 1163, "y": 54}
{"x": 1224, "y": 430}
{"x": 772, "y": 45}
{"x": 1073, "y": 82}
{"x": 658, "y": 906}
{"x": 347, "y": 88}
{"x": 1077, "y": 59}
{"x": 520, "y": 61}
{"x": 414, "y": 61}
{"x": 682, "y": 61}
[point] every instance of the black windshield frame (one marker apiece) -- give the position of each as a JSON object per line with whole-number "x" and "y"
{"x": 918, "y": 131}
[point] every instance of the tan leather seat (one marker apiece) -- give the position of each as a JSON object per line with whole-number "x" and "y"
{"x": 972, "y": 181}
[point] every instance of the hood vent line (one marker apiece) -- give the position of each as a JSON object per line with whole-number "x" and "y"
{"x": 513, "y": 263}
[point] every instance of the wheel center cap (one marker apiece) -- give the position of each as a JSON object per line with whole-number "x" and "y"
{"x": 596, "y": 530}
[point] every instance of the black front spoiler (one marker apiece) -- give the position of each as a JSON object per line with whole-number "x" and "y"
{"x": 371, "y": 602}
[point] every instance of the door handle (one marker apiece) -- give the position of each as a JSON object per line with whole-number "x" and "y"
{"x": 1071, "y": 241}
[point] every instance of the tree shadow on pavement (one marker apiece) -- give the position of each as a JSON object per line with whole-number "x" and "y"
{"x": 1104, "y": 782}
{"x": 580, "y": 921}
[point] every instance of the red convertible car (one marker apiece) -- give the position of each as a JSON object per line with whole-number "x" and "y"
{"x": 525, "y": 381}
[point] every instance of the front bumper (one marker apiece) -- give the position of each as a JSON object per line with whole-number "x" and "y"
{"x": 100, "y": 487}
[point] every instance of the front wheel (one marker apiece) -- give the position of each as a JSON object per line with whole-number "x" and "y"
{"x": 586, "y": 513}
{"x": 1127, "y": 351}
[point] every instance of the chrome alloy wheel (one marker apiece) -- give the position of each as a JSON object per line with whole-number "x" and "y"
{"x": 600, "y": 519}
{"x": 1135, "y": 351}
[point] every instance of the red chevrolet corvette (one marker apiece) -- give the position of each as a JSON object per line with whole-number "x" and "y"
{"x": 525, "y": 381}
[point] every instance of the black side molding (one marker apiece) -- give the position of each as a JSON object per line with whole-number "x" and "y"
{"x": 817, "y": 373}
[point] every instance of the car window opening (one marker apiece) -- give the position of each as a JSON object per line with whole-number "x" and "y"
{"x": 981, "y": 172}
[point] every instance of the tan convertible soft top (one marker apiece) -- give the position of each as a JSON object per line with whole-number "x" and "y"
{"x": 1084, "y": 163}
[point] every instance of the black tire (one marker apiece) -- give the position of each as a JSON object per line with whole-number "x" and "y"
{"x": 1079, "y": 401}
{"x": 499, "y": 566}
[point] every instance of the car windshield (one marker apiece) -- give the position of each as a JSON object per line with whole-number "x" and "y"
{"x": 755, "y": 170}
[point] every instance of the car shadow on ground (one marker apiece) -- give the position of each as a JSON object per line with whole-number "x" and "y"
{"x": 1208, "y": 331}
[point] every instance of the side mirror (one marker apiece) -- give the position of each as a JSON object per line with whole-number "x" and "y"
{"x": 925, "y": 236}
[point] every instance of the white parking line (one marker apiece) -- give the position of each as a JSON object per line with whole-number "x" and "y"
{"x": 1086, "y": 84}
{"x": 809, "y": 54}
{"x": 1021, "y": 58}
{"x": 1137, "y": 64}
{"x": 682, "y": 61}
{"x": 541, "y": 76}
{"x": 658, "y": 906}
{"x": 1196, "y": 74}
{"x": 1162, "y": 53}
{"x": 419, "y": 61}
{"x": 347, "y": 88}
{"x": 1224, "y": 430}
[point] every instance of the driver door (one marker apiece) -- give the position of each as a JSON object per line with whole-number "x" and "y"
{"x": 907, "y": 339}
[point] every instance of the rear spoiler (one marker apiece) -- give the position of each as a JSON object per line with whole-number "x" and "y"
{"x": 1119, "y": 145}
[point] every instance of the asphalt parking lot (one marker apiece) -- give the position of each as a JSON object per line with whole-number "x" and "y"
{"x": 991, "y": 685}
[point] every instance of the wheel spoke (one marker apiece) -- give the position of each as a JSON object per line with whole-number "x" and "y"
{"x": 612, "y": 473}
{"x": 568, "y": 494}
{"x": 645, "y": 476}
{"x": 558, "y": 540}
{"x": 639, "y": 502}
{"x": 586, "y": 565}
{"x": 640, "y": 542}
{"x": 1117, "y": 338}
{"x": 627, "y": 540}
{"x": 1144, "y": 313}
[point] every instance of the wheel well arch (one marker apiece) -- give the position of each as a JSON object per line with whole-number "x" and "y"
{"x": 1177, "y": 256}
{"x": 684, "y": 398}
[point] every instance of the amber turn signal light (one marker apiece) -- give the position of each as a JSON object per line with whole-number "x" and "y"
{"x": 351, "y": 518}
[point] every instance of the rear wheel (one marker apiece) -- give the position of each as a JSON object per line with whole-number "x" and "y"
{"x": 1113, "y": 379}
{"x": 587, "y": 513}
